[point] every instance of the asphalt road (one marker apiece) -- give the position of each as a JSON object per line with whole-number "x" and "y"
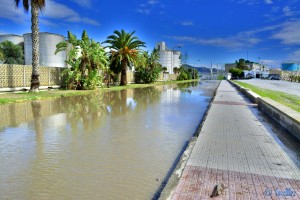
{"x": 278, "y": 85}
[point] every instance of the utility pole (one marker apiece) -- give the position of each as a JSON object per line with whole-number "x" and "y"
{"x": 202, "y": 69}
{"x": 211, "y": 70}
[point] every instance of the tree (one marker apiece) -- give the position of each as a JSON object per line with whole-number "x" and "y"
{"x": 148, "y": 68}
{"x": 11, "y": 53}
{"x": 85, "y": 57}
{"x": 236, "y": 72}
{"x": 1, "y": 55}
{"x": 176, "y": 70}
{"x": 125, "y": 49}
{"x": 241, "y": 64}
{"x": 35, "y": 5}
{"x": 187, "y": 73}
{"x": 164, "y": 69}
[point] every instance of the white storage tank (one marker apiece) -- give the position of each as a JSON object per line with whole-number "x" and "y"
{"x": 176, "y": 58}
{"x": 16, "y": 39}
{"x": 48, "y": 42}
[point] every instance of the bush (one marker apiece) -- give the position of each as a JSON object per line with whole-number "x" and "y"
{"x": 183, "y": 76}
{"x": 236, "y": 72}
{"x": 11, "y": 53}
{"x": 144, "y": 75}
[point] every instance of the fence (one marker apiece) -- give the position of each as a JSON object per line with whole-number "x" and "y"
{"x": 18, "y": 76}
{"x": 12, "y": 76}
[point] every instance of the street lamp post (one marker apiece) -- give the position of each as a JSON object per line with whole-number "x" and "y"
{"x": 202, "y": 70}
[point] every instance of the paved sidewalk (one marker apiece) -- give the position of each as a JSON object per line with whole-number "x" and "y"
{"x": 235, "y": 149}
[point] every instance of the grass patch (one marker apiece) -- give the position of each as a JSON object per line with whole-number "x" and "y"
{"x": 291, "y": 101}
{"x": 10, "y": 97}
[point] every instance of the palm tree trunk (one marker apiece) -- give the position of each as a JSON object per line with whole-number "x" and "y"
{"x": 35, "y": 82}
{"x": 124, "y": 73}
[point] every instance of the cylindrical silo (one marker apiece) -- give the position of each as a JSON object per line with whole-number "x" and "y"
{"x": 289, "y": 67}
{"x": 48, "y": 42}
{"x": 16, "y": 39}
{"x": 166, "y": 60}
{"x": 176, "y": 58}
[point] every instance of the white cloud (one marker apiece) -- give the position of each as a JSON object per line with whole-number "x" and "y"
{"x": 149, "y": 6}
{"x": 84, "y": 3}
{"x": 294, "y": 57}
{"x": 9, "y": 11}
{"x": 271, "y": 64}
{"x": 287, "y": 11}
{"x": 289, "y": 33}
{"x": 58, "y": 11}
{"x": 152, "y": 2}
{"x": 268, "y": 2}
{"x": 186, "y": 23}
{"x": 143, "y": 9}
{"x": 52, "y": 10}
{"x": 90, "y": 21}
{"x": 47, "y": 22}
{"x": 234, "y": 42}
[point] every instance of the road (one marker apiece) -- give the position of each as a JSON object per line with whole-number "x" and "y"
{"x": 282, "y": 86}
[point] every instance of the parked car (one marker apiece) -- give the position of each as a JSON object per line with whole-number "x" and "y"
{"x": 248, "y": 76}
{"x": 274, "y": 78}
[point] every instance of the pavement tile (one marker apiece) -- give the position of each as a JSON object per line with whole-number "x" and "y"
{"x": 235, "y": 149}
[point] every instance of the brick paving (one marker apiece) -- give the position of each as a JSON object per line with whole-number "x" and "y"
{"x": 234, "y": 148}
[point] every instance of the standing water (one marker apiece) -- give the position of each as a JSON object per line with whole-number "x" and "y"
{"x": 109, "y": 145}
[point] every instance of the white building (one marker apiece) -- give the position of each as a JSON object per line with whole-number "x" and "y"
{"x": 168, "y": 58}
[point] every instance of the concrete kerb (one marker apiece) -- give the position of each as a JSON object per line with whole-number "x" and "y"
{"x": 247, "y": 92}
{"x": 283, "y": 115}
{"x": 18, "y": 89}
{"x": 286, "y": 117}
{"x": 172, "y": 183}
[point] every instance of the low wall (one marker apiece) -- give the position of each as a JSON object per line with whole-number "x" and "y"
{"x": 285, "y": 116}
{"x": 17, "y": 77}
{"x": 162, "y": 77}
{"x": 14, "y": 76}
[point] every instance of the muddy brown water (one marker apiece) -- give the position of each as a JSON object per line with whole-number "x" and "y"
{"x": 110, "y": 145}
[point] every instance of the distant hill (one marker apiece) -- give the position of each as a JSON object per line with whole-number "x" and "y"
{"x": 201, "y": 70}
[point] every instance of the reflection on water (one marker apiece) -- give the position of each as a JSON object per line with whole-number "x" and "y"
{"x": 110, "y": 145}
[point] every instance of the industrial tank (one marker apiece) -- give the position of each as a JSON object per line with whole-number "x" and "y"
{"x": 16, "y": 39}
{"x": 176, "y": 58}
{"x": 290, "y": 67}
{"x": 48, "y": 42}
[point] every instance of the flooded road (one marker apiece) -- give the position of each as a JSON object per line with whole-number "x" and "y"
{"x": 110, "y": 145}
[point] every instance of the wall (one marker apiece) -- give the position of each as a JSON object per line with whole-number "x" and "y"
{"x": 18, "y": 76}
{"x": 162, "y": 77}
{"x": 12, "y": 76}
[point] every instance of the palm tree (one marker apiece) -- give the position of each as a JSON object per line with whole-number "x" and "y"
{"x": 35, "y": 5}
{"x": 86, "y": 57}
{"x": 125, "y": 50}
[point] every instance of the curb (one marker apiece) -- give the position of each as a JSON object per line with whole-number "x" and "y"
{"x": 283, "y": 115}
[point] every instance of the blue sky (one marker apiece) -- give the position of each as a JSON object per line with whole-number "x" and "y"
{"x": 217, "y": 31}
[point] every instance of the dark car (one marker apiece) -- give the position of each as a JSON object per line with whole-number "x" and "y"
{"x": 248, "y": 76}
{"x": 274, "y": 77}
